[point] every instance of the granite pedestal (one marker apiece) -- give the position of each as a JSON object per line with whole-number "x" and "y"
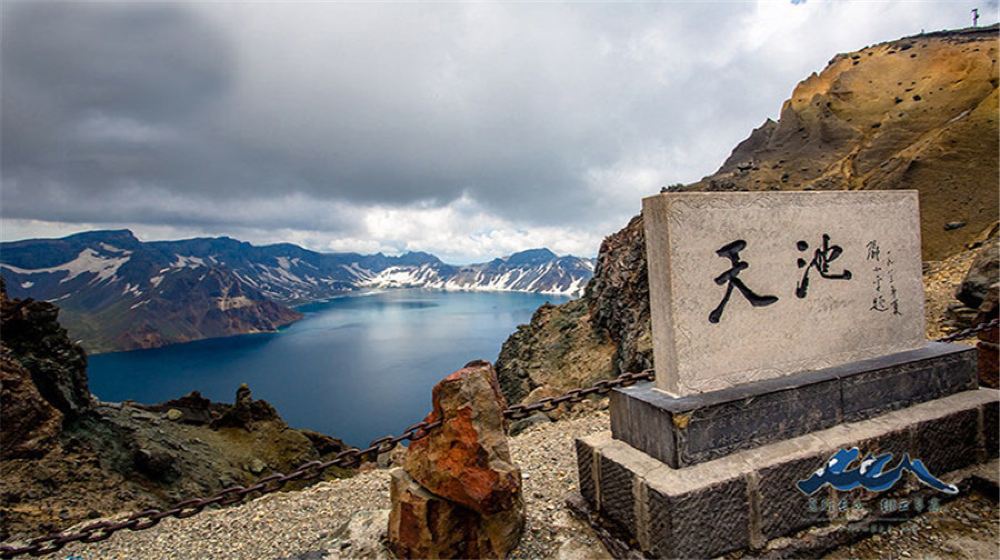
{"x": 748, "y": 498}
{"x": 699, "y": 476}
{"x": 683, "y": 431}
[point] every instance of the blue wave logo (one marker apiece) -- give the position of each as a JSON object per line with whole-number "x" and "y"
{"x": 870, "y": 474}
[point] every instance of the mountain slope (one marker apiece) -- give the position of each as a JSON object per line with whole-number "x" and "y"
{"x": 918, "y": 113}
{"x": 536, "y": 270}
{"x": 118, "y": 293}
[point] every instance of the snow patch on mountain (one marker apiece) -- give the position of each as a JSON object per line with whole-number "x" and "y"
{"x": 88, "y": 260}
{"x": 184, "y": 261}
{"x": 562, "y": 276}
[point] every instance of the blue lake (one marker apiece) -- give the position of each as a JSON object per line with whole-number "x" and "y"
{"x": 356, "y": 368}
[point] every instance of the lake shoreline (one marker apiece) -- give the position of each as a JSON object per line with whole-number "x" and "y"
{"x": 356, "y": 366}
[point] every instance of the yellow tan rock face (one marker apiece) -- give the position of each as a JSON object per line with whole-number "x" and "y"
{"x": 917, "y": 113}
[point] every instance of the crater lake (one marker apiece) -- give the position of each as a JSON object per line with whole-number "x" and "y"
{"x": 356, "y": 368}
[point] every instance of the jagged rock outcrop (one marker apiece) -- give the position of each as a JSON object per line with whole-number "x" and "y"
{"x": 58, "y": 367}
{"x": 458, "y": 494}
{"x": 30, "y": 423}
{"x": 246, "y": 412}
{"x": 918, "y": 113}
{"x": 559, "y": 339}
{"x": 619, "y": 283}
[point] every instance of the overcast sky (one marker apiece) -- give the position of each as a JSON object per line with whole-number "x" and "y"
{"x": 467, "y": 130}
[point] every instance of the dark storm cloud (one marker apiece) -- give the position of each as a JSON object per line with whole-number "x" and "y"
{"x": 328, "y": 117}
{"x": 105, "y": 104}
{"x": 99, "y": 99}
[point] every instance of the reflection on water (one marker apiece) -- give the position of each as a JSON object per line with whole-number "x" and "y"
{"x": 355, "y": 367}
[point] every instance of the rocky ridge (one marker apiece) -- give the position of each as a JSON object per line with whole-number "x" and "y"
{"x": 917, "y": 113}
{"x": 68, "y": 457}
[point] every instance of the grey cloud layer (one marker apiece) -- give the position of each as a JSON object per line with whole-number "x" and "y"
{"x": 301, "y": 116}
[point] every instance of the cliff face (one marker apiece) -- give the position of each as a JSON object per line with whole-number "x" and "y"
{"x": 918, "y": 113}
{"x": 559, "y": 339}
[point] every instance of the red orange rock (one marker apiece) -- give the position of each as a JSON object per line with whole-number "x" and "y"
{"x": 460, "y": 495}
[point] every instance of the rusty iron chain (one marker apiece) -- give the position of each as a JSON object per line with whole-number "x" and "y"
{"x": 348, "y": 458}
{"x": 602, "y": 387}
{"x": 140, "y": 520}
{"x": 971, "y": 331}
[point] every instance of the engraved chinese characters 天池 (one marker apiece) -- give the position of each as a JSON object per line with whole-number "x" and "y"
{"x": 822, "y": 257}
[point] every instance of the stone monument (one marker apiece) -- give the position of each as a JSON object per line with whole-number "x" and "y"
{"x": 787, "y": 327}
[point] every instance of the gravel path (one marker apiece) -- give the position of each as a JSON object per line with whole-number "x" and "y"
{"x": 967, "y": 528}
{"x": 316, "y": 523}
{"x": 313, "y": 523}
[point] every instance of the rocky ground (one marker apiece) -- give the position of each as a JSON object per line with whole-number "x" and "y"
{"x": 316, "y": 522}
{"x": 66, "y": 457}
{"x": 969, "y": 527}
{"x": 343, "y": 519}
{"x": 941, "y": 278}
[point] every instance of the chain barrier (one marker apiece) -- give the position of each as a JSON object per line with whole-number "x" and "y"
{"x": 603, "y": 387}
{"x": 970, "y": 332}
{"x": 348, "y": 458}
{"x": 140, "y": 520}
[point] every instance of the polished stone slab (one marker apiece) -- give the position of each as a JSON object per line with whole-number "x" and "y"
{"x": 746, "y": 499}
{"x": 752, "y": 286}
{"x": 683, "y": 431}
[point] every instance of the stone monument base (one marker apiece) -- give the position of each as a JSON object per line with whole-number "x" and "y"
{"x": 683, "y": 431}
{"x": 747, "y": 498}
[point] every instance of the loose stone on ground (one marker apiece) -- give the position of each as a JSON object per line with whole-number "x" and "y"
{"x": 317, "y": 523}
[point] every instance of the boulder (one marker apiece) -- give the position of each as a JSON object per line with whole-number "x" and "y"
{"x": 989, "y": 361}
{"x": 422, "y": 525}
{"x": 983, "y": 273}
{"x": 461, "y": 496}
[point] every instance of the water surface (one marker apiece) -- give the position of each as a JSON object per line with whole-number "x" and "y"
{"x": 357, "y": 367}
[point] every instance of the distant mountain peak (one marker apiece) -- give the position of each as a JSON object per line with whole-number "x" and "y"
{"x": 417, "y": 258}
{"x": 531, "y": 256}
{"x": 104, "y": 235}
